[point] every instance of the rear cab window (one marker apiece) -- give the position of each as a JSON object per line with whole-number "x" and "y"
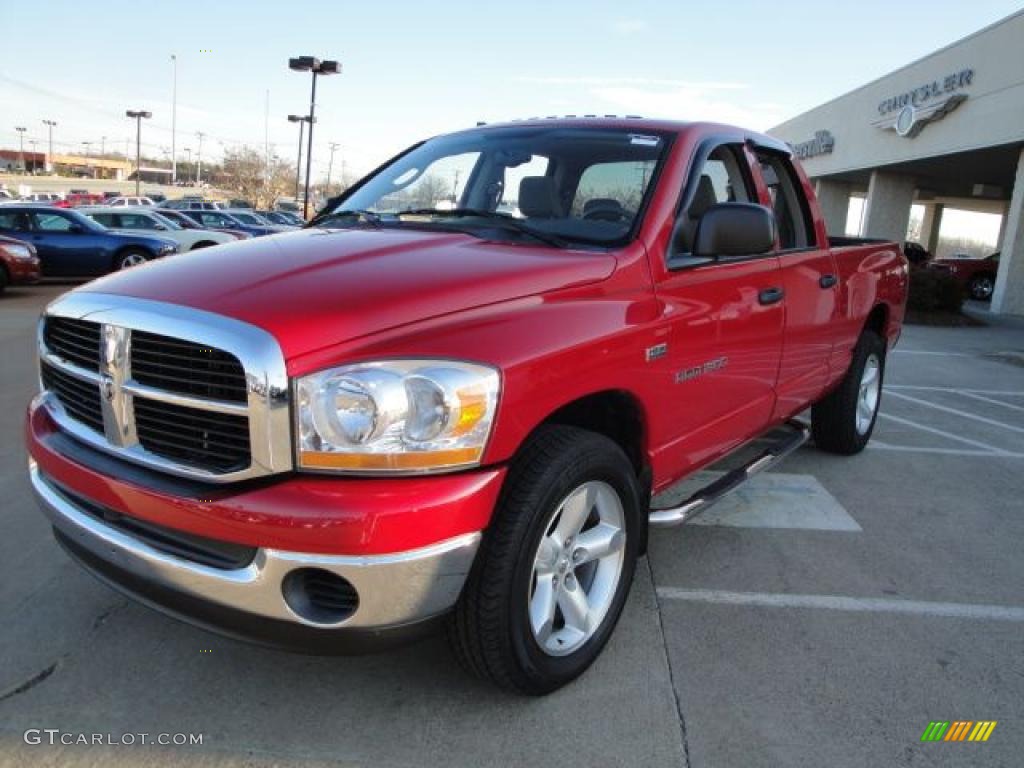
{"x": 788, "y": 202}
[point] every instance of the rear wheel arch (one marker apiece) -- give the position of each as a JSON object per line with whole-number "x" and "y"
{"x": 878, "y": 321}
{"x": 202, "y": 244}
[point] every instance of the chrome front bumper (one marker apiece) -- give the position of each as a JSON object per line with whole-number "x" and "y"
{"x": 399, "y": 589}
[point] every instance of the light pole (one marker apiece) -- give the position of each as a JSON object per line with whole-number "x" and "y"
{"x": 21, "y": 140}
{"x": 88, "y": 144}
{"x": 49, "y": 161}
{"x": 174, "y": 122}
{"x": 103, "y": 146}
{"x": 35, "y": 155}
{"x": 138, "y": 115}
{"x": 301, "y": 120}
{"x": 188, "y": 156}
{"x": 330, "y": 165}
{"x": 199, "y": 158}
{"x": 317, "y": 67}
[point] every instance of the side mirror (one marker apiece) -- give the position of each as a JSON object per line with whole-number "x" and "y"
{"x": 735, "y": 229}
{"x": 159, "y": 226}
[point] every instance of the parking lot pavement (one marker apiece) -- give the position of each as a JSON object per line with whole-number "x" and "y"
{"x": 823, "y": 616}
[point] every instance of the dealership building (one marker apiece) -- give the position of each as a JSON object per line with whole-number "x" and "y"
{"x": 946, "y": 131}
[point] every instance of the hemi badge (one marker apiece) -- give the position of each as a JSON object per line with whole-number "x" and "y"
{"x": 658, "y": 350}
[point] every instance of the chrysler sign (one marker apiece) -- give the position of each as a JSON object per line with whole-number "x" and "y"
{"x": 909, "y": 112}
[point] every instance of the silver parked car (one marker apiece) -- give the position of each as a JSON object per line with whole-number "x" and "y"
{"x": 149, "y": 220}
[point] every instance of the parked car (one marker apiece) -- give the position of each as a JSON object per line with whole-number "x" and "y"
{"x": 147, "y": 219}
{"x": 19, "y": 264}
{"x": 75, "y": 199}
{"x": 72, "y": 245}
{"x": 454, "y": 415}
{"x": 282, "y": 217}
{"x": 131, "y": 201}
{"x": 250, "y": 218}
{"x": 238, "y": 202}
{"x": 916, "y": 254}
{"x": 192, "y": 204}
{"x": 179, "y": 218}
{"x": 224, "y": 220}
{"x": 156, "y": 197}
{"x": 977, "y": 276}
{"x": 41, "y": 197}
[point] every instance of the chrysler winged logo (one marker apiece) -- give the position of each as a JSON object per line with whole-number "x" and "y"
{"x": 118, "y": 424}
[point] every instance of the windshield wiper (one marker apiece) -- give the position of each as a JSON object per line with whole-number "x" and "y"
{"x": 507, "y": 220}
{"x": 360, "y": 214}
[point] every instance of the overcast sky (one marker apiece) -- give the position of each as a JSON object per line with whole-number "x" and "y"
{"x": 416, "y": 69}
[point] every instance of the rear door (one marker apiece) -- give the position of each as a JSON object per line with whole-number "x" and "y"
{"x": 65, "y": 248}
{"x": 810, "y": 280}
{"x": 724, "y": 322}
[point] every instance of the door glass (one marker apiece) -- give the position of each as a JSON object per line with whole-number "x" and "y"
{"x": 52, "y": 222}
{"x": 135, "y": 221}
{"x": 13, "y": 221}
{"x": 788, "y": 202}
{"x": 721, "y": 180}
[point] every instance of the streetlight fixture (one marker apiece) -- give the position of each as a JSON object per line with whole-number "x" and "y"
{"x": 138, "y": 115}
{"x": 49, "y": 160}
{"x": 301, "y": 120}
{"x": 21, "y": 140}
{"x": 174, "y": 122}
{"x": 317, "y": 67}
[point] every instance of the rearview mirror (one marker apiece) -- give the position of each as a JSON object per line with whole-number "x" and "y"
{"x": 735, "y": 229}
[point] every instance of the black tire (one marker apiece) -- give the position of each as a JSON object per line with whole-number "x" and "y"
{"x": 5, "y": 280}
{"x": 490, "y": 629}
{"x": 981, "y": 287}
{"x": 834, "y": 418}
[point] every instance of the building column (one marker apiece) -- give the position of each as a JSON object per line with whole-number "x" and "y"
{"x": 834, "y": 200}
{"x": 931, "y": 225}
{"x": 887, "y": 208}
{"x": 1009, "y": 294}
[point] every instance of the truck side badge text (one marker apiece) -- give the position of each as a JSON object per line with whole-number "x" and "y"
{"x": 699, "y": 370}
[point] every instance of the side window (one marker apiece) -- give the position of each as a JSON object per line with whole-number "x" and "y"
{"x": 722, "y": 179}
{"x": 612, "y": 191}
{"x": 52, "y": 222}
{"x": 106, "y": 219}
{"x": 135, "y": 221}
{"x": 13, "y": 221}
{"x": 792, "y": 216}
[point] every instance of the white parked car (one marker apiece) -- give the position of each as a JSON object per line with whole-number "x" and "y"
{"x": 123, "y": 201}
{"x": 150, "y": 221}
{"x": 41, "y": 197}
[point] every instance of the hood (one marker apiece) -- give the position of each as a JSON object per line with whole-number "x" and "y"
{"x": 315, "y": 288}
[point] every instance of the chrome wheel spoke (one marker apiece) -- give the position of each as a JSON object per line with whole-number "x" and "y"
{"x": 575, "y": 511}
{"x": 542, "y": 609}
{"x": 547, "y": 557}
{"x": 597, "y": 543}
{"x": 575, "y": 607}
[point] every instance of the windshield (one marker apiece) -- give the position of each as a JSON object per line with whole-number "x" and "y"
{"x": 556, "y": 183}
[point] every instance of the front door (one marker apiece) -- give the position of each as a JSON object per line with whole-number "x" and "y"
{"x": 724, "y": 323}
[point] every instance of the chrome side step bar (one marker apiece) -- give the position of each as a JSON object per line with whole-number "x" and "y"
{"x": 709, "y": 494}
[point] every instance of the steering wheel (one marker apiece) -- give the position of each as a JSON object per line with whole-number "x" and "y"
{"x": 605, "y": 210}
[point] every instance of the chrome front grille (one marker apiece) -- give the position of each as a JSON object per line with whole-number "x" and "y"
{"x": 184, "y": 391}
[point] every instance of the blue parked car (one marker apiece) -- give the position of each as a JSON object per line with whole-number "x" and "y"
{"x": 72, "y": 245}
{"x": 224, "y": 220}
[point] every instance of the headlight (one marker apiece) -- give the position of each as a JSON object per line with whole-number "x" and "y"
{"x": 20, "y": 252}
{"x": 395, "y": 416}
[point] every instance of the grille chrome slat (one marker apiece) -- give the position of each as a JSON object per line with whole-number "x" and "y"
{"x": 179, "y": 390}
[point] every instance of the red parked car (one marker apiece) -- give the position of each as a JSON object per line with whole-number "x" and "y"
{"x": 452, "y": 404}
{"x": 19, "y": 263}
{"x": 75, "y": 199}
{"x": 977, "y": 276}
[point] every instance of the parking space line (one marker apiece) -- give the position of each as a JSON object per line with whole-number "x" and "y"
{"x": 958, "y": 412}
{"x": 959, "y": 390}
{"x": 982, "y": 398}
{"x": 948, "y": 435}
{"x": 927, "y": 352}
{"x": 879, "y": 445}
{"x": 842, "y": 603}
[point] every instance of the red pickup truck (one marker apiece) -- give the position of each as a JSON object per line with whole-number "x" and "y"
{"x": 451, "y": 398}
